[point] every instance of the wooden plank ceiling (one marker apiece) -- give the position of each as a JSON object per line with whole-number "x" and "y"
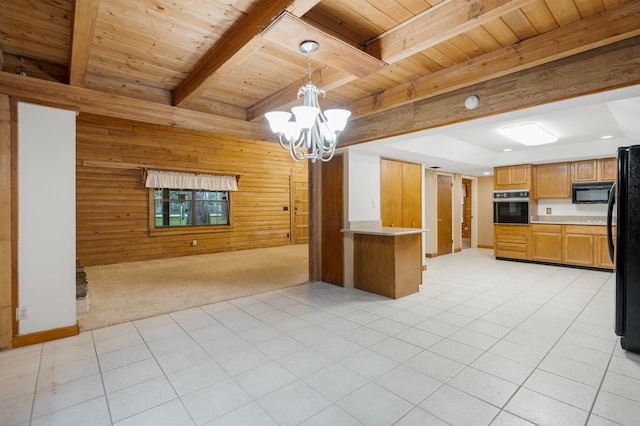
{"x": 237, "y": 59}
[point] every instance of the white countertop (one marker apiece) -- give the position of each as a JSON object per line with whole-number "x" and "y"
{"x": 570, "y": 220}
{"x": 385, "y": 230}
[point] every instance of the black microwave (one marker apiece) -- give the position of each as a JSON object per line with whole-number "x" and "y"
{"x": 590, "y": 192}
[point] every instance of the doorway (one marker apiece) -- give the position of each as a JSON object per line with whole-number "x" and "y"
{"x": 445, "y": 217}
{"x": 467, "y": 202}
{"x": 299, "y": 189}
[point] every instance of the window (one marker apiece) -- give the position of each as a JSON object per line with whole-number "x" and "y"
{"x": 176, "y": 208}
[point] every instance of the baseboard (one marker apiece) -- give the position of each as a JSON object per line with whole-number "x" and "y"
{"x": 431, "y": 255}
{"x": 45, "y": 336}
{"x": 485, "y": 246}
{"x": 458, "y": 250}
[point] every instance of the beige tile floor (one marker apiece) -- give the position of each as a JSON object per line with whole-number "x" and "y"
{"x": 483, "y": 342}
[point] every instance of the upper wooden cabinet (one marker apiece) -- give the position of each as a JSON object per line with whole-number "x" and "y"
{"x": 604, "y": 169}
{"x": 512, "y": 177}
{"x": 552, "y": 181}
{"x": 400, "y": 194}
{"x": 608, "y": 168}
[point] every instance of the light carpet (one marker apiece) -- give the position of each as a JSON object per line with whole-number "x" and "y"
{"x": 130, "y": 291}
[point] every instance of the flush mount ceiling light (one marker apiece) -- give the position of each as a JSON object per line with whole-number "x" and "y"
{"x": 306, "y": 131}
{"x": 528, "y": 134}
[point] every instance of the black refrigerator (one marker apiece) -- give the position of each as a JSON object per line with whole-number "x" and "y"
{"x": 625, "y": 196}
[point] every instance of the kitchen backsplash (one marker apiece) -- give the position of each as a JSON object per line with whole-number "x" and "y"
{"x": 566, "y": 208}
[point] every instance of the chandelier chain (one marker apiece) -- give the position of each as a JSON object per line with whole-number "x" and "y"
{"x": 308, "y": 132}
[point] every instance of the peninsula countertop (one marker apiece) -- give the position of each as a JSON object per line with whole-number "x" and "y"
{"x": 385, "y": 231}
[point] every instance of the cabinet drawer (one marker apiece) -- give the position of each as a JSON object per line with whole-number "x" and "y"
{"x": 511, "y": 238}
{"x": 585, "y": 229}
{"x": 536, "y": 227}
{"x": 511, "y": 254}
{"x": 511, "y": 246}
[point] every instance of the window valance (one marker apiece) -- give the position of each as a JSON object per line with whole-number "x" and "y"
{"x": 178, "y": 180}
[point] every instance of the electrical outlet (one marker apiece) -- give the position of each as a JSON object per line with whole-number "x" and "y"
{"x": 194, "y": 242}
{"x": 22, "y": 313}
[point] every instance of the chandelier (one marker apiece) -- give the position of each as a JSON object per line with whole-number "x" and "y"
{"x": 306, "y": 131}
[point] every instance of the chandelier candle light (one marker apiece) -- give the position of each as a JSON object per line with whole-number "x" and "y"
{"x": 308, "y": 128}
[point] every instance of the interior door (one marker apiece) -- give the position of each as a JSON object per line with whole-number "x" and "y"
{"x": 467, "y": 202}
{"x": 332, "y": 269}
{"x": 445, "y": 213}
{"x": 300, "y": 214}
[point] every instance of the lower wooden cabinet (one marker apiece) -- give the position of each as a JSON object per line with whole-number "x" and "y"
{"x": 577, "y": 249}
{"x": 602, "y": 259}
{"x": 511, "y": 241}
{"x": 581, "y": 245}
{"x": 546, "y": 243}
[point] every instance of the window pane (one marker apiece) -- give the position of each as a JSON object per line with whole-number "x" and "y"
{"x": 177, "y": 208}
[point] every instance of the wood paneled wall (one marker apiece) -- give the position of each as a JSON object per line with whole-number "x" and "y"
{"x": 6, "y": 235}
{"x": 113, "y": 204}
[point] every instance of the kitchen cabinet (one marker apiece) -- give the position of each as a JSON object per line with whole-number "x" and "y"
{"x": 578, "y": 245}
{"x": 586, "y": 246}
{"x": 604, "y": 169}
{"x": 608, "y": 168}
{"x": 512, "y": 177}
{"x": 411, "y": 195}
{"x": 552, "y": 181}
{"x": 400, "y": 194}
{"x": 511, "y": 241}
{"x": 601, "y": 253}
{"x": 546, "y": 242}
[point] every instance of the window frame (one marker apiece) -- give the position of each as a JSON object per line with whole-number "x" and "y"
{"x": 191, "y": 229}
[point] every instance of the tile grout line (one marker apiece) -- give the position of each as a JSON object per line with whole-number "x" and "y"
{"x": 554, "y": 345}
{"x": 35, "y": 386}
{"x": 104, "y": 389}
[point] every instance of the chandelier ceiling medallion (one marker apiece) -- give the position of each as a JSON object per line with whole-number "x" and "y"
{"x": 306, "y": 131}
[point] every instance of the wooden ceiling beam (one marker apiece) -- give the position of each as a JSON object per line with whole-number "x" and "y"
{"x": 598, "y": 30}
{"x": 289, "y": 32}
{"x": 234, "y": 48}
{"x": 437, "y": 24}
{"x": 59, "y": 95}
{"x": 326, "y": 78}
{"x": 441, "y": 22}
{"x": 83, "y": 26}
{"x": 34, "y": 68}
{"x": 609, "y": 67}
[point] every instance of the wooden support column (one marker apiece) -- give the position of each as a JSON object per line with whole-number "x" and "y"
{"x": 315, "y": 221}
{"x": 5, "y": 224}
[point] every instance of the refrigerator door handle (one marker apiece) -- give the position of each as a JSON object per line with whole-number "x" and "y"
{"x": 612, "y": 200}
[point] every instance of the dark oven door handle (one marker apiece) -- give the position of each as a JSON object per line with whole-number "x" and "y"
{"x": 612, "y": 200}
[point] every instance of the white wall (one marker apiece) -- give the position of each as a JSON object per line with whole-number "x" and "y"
{"x": 46, "y": 217}
{"x": 566, "y": 208}
{"x": 364, "y": 186}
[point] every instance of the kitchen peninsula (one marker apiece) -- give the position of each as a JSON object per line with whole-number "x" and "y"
{"x": 387, "y": 260}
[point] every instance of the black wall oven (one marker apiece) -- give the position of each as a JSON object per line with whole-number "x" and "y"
{"x": 511, "y": 207}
